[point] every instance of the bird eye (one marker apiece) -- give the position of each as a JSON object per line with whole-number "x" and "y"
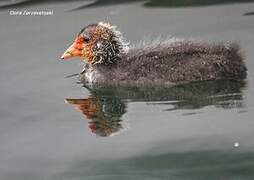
{"x": 86, "y": 38}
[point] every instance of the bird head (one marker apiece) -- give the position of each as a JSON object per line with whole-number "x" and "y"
{"x": 97, "y": 43}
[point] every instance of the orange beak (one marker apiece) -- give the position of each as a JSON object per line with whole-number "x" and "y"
{"x": 75, "y": 50}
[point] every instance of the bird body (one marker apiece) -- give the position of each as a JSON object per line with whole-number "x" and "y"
{"x": 165, "y": 63}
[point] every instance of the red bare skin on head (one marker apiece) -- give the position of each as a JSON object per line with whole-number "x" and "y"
{"x": 84, "y": 49}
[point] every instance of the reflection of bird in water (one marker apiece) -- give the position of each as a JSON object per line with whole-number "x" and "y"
{"x": 107, "y": 104}
{"x": 108, "y": 60}
{"x": 104, "y": 113}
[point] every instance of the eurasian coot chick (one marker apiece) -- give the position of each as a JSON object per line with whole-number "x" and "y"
{"x": 108, "y": 60}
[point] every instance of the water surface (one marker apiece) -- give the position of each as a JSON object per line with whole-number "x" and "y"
{"x": 182, "y": 132}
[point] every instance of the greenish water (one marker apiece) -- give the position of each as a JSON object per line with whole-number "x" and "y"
{"x": 184, "y": 3}
{"x": 53, "y": 128}
{"x": 180, "y": 166}
{"x": 145, "y": 3}
{"x": 105, "y": 106}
